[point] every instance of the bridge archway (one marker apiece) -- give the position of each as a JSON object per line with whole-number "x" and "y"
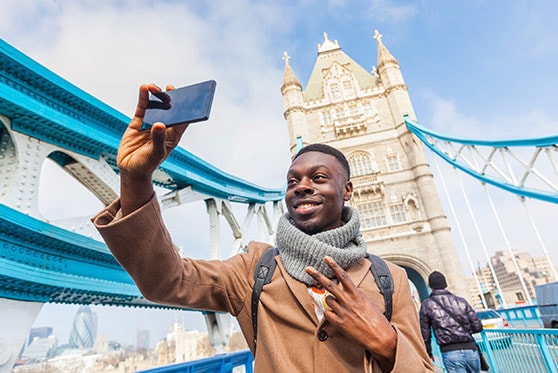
{"x": 417, "y": 271}
{"x": 418, "y": 281}
{"x": 76, "y": 198}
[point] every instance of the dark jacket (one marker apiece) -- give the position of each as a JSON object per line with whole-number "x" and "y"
{"x": 449, "y": 334}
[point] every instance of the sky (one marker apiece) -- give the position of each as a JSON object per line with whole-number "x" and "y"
{"x": 475, "y": 69}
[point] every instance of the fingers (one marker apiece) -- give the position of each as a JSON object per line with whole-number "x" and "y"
{"x": 143, "y": 103}
{"x": 339, "y": 272}
{"x": 328, "y": 284}
{"x": 341, "y": 275}
{"x": 163, "y": 101}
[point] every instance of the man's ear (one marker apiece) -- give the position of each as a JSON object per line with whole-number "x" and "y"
{"x": 348, "y": 190}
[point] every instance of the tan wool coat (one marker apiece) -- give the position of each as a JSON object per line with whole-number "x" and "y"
{"x": 290, "y": 337}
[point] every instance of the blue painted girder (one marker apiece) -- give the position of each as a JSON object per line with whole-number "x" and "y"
{"x": 43, "y": 105}
{"x": 433, "y": 139}
{"x": 43, "y": 263}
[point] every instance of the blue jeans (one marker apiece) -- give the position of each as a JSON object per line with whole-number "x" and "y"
{"x": 461, "y": 361}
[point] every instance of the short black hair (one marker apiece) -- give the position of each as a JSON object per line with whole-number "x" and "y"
{"x": 323, "y": 148}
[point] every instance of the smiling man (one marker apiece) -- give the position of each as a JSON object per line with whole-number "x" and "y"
{"x": 322, "y": 311}
{"x": 317, "y": 186}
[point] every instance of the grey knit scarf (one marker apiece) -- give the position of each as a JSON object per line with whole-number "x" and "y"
{"x": 299, "y": 250}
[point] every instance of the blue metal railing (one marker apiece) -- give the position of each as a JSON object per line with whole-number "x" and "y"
{"x": 224, "y": 363}
{"x": 522, "y": 316}
{"x": 507, "y": 351}
{"x": 524, "y": 347}
{"x": 515, "y": 350}
{"x": 521, "y": 350}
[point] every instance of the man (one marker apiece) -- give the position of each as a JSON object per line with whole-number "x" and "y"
{"x": 320, "y": 248}
{"x": 453, "y": 321}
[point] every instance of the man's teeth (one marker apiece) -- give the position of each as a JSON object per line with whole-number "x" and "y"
{"x": 306, "y": 205}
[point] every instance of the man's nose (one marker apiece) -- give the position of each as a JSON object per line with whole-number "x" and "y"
{"x": 304, "y": 187}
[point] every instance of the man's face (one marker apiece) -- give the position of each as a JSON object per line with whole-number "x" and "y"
{"x": 317, "y": 188}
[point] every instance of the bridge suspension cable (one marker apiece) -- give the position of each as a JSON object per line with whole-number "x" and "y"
{"x": 462, "y": 236}
{"x": 539, "y": 237}
{"x": 481, "y": 239}
{"x": 508, "y": 246}
{"x": 513, "y": 166}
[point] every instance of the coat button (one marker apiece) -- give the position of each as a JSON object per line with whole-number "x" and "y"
{"x": 322, "y": 335}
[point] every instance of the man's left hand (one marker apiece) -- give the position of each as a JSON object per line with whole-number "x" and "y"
{"x": 356, "y": 316}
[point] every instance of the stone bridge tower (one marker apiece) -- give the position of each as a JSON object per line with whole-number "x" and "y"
{"x": 361, "y": 114}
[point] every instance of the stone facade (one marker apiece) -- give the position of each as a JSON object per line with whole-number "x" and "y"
{"x": 362, "y": 113}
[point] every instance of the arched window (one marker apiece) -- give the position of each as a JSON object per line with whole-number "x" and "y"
{"x": 334, "y": 89}
{"x": 340, "y": 113}
{"x": 393, "y": 162}
{"x": 361, "y": 164}
{"x": 348, "y": 90}
{"x": 368, "y": 109}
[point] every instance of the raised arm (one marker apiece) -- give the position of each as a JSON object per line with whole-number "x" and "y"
{"x": 142, "y": 151}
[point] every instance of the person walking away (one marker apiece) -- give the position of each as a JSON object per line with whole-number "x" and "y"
{"x": 454, "y": 321}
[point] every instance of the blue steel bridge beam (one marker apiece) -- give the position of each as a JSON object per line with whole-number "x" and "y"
{"x": 43, "y": 263}
{"x": 181, "y": 169}
{"x": 503, "y": 178}
{"x": 45, "y": 106}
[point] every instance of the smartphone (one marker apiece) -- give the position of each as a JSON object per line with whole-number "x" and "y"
{"x": 183, "y": 105}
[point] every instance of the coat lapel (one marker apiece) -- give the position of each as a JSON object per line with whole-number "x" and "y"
{"x": 299, "y": 290}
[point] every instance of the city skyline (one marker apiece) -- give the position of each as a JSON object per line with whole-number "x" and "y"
{"x": 463, "y": 79}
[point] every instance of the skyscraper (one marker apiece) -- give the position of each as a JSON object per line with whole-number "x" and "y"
{"x": 84, "y": 328}
{"x": 142, "y": 339}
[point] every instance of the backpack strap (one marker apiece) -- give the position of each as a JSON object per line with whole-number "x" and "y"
{"x": 262, "y": 275}
{"x": 382, "y": 276}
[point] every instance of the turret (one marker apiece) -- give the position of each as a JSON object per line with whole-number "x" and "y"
{"x": 291, "y": 89}
{"x": 392, "y": 80}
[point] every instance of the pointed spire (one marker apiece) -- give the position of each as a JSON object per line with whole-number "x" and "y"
{"x": 289, "y": 77}
{"x": 384, "y": 56}
{"x": 328, "y": 45}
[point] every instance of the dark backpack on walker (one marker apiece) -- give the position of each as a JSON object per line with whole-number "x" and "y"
{"x": 266, "y": 267}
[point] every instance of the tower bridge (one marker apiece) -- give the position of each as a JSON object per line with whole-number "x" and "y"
{"x": 368, "y": 116}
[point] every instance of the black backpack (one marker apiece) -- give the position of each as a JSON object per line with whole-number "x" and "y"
{"x": 266, "y": 267}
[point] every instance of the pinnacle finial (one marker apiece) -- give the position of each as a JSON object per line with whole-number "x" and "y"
{"x": 328, "y": 45}
{"x": 378, "y": 36}
{"x": 286, "y": 57}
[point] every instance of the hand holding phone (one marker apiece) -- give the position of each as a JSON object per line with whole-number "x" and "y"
{"x": 183, "y": 105}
